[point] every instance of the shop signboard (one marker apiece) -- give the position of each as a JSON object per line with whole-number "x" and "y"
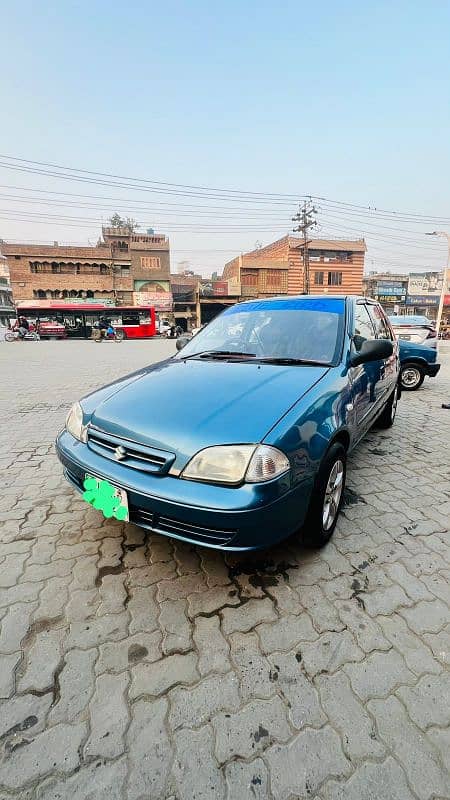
{"x": 390, "y": 298}
{"x": 423, "y": 300}
{"x": 161, "y": 301}
{"x": 228, "y": 288}
{"x": 424, "y": 284}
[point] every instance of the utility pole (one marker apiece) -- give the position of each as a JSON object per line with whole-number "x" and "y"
{"x": 306, "y": 220}
{"x": 444, "y": 235}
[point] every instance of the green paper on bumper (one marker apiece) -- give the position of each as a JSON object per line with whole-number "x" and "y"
{"x": 109, "y": 499}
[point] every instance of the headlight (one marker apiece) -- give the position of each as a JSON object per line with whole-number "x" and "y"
{"x": 74, "y": 423}
{"x": 233, "y": 464}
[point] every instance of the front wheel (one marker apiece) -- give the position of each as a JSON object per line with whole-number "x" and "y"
{"x": 326, "y": 498}
{"x": 120, "y": 336}
{"x": 411, "y": 377}
{"x": 9, "y": 336}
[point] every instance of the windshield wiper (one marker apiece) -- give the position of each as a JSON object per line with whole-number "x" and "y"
{"x": 294, "y": 361}
{"x": 220, "y": 354}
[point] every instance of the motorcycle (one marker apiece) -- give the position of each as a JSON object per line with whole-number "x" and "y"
{"x": 100, "y": 334}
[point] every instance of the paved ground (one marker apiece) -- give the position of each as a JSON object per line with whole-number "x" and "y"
{"x": 135, "y": 667}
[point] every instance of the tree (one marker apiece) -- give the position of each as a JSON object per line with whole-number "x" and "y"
{"x": 116, "y": 221}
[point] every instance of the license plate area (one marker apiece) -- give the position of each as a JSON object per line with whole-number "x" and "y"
{"x": 111, "y": 500}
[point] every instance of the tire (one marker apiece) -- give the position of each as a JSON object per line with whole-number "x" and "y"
{"x": 318, "y": 528}
{"x": 411, "y": 376}
{"x": 9, "y": 336}
{"x": 120, "y": 336}
{"x": 387, "y": 416}
{"x": 97, "y": 336}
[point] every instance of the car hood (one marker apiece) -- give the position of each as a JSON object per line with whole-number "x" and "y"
{"x": 183, "y": 406}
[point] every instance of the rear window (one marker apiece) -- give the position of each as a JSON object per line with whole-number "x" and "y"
{"x": 413, "y": 322}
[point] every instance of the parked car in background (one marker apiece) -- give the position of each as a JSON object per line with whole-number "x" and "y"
{"x": 419, "y": 330}
{"x": 416, "y": 361}
{"x": 241, "y": 439}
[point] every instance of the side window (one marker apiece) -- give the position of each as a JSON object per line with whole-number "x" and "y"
{"x": 363, "y": 326}
{"x": 382, "y": 328}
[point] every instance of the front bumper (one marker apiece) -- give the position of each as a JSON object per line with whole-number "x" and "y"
{"x": 432, "y": 370}
{"x": 249, "y": 517}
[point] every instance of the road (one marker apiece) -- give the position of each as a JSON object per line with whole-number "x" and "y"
{"x": 133, "y": 666}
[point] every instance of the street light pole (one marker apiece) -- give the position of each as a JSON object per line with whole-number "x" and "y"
{"x": 444, "y": 282}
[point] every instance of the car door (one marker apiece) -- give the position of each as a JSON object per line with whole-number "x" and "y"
{"x": 388, "y": 370}
{"x": 365, "y": 378}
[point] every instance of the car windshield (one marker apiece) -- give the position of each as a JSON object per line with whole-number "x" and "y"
{"x": 297, "y": 330}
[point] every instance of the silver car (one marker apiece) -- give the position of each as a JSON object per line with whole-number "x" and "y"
{"x": 419, "y": 330}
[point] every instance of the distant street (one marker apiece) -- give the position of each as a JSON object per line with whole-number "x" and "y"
{"x": 135, "y": 667}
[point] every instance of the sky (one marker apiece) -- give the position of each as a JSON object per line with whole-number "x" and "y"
{"x": 343, "y": 101}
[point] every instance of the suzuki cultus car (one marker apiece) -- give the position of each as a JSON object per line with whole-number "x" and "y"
{"x": 241, "y": 439}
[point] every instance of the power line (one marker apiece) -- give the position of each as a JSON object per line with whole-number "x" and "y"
{"x": 75, "y": 173}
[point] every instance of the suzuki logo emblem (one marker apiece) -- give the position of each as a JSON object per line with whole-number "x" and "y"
{"x": 120, "y": 453}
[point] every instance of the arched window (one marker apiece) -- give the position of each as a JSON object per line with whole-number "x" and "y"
{"x": 41, "y": 294}
{"x": 64, "y": 294}
{"x": 73, "y": 293}
{"x": 89, "y": 293}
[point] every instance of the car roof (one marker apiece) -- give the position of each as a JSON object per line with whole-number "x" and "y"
{"x": 289, "y": 297}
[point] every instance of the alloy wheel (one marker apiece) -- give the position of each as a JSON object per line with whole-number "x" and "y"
{"x": 333, "y": 494}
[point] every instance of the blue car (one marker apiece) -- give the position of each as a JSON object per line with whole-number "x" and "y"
{"x": 416, "y": 361}
{"x": 240, "y": 439}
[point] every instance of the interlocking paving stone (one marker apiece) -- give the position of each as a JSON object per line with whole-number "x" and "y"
{"x": 329, "y": 652}
{"x": 301, "y": 694}
{"x": 428, "y": 702}
{"x": 300, "y": 767}
{"x": 108, "y": 720}
{"x": 195, "y": 768}
{"x": 379, "y": 674}
{"x": 38, "y": 756}
{"x": 177, "y": 636}
{"x": 349, "y": 717}
{"x": 213, "y": 648}
{"x": 372, "y": 782}
{"x": 149, "y": 750}
{"x": 417, "y": 756}
{"x": 247, "y": 616}
{"x": 286, "y": 633}
{"x": 157, "y": 678}
{"x": 246, "y": 781}
{"x": 76, "y": 685}
{"x": 193, "y": 707}
{"x": 256, "y": 676}
{"x": 100, "y": 780}
{"x": 251, "y": 730}
{"x": 165, "y": 679}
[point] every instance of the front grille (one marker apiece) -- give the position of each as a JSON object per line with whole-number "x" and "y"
{"x": 175, "y": 527}
{"x": 131, "y": 454}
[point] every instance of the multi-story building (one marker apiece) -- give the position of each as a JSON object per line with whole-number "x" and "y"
{"x": 335, "y": 266}
{"x": 124, "y": 267}
{"x": 7, "y": 310}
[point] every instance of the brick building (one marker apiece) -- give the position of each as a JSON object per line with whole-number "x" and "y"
{"x": 335, "y": 266}
{"x": 128, "y": 268}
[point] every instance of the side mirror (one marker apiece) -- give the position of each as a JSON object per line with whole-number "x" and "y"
{"x": 372, "y": 350}
{"x": 182, "y": 341}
